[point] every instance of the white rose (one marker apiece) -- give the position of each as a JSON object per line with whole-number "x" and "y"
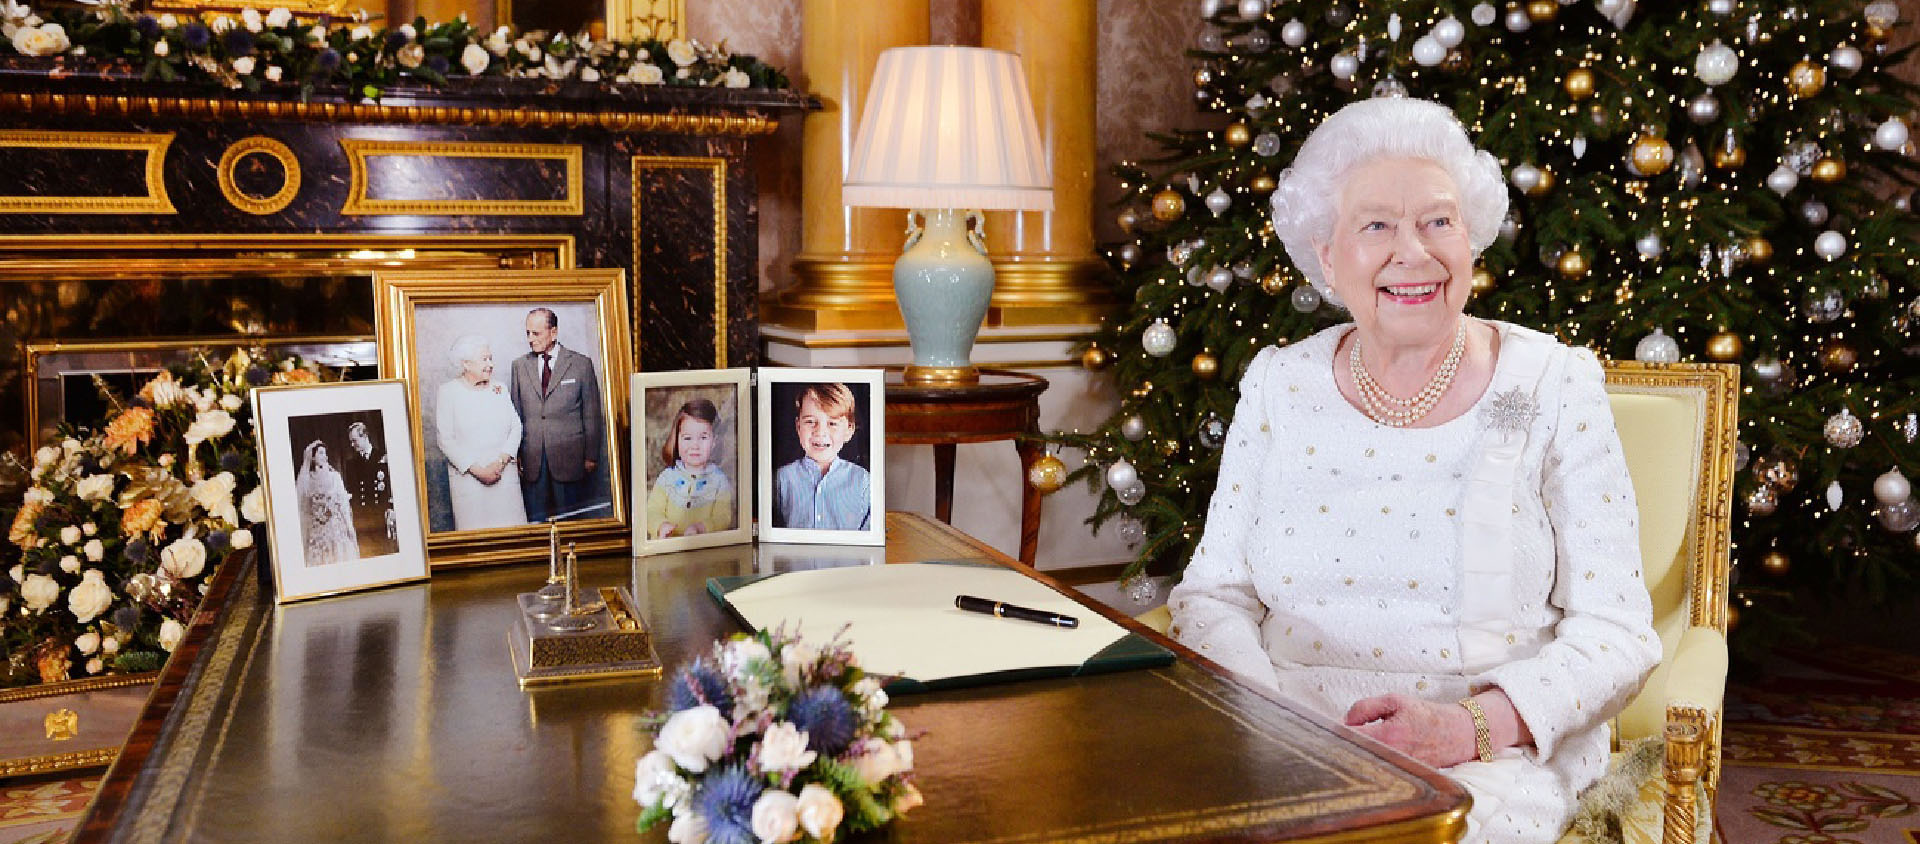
{"x": 40, "y": 40}
{"x": 279, "y": 18}
{"x": 903, "y": 755}
{"x": 70, "y": 564}
{"x": 776, "y": 816}
{"x": 741, "y": 653}
{"x": 689, "y": 828}
{"x": 184, "y": 558}
{"x": 694, "y": 737}
{"x": 70, "y": 535}
{"x": 534, "y": 54}
{"x": 215, "y": 495}
{"x": 317, "y": 33}
{"x": 241, "y": 66}
{"x": 94, "y": 550}
{"x": 109, "y": 646}
{"x": 820, "y": 811}
{"x": 94, "y": 665}
{"x": 18, "y": 573}
{"x": 589, "y": 75}
{"x": 655, "y": 780}
{"x": 90, "y": 598}
{"x": 210, "y": 424}
{"x": 273, "y": 75}
{"x": 682, "y": 52}
{"x": 362, "y": 32}
{"x": 222, "y": 23}
{"x": 70, "y": 445}
{"x": 253, "y": 507}
{"x": 498, "y": 44}
{"x": 876, "y": 761}
{"x": 170, "y": 634}
{"x": 89, "y": 528}
{"x": 241, "y": 539}
{"x": 38, "y": 495}
{"x": 784, "y": 748}
{"x": 161, "y": 48}
{"x": 251, "y": 19}
{"x": 734, "y": 78}
{"x": 645, "y": 74}
{"x": 908, "y": 799}
{"x": 168, "y": 21}
{"x": 231, "y": 401}
{"x": 88, "y": 642}
{"x": 475, "y": 59}
{"x": 408, "y": 30}
{"x": 39, "y": 591}
{"x": 46, "y": 457}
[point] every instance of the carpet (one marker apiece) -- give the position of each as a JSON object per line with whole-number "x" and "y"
{"x": 43, "y": 811}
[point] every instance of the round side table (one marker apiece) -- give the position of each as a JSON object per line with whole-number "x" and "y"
{"x": 1005, "y": 405}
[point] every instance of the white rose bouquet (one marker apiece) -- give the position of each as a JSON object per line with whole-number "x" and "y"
{"x": 768, "y": 740}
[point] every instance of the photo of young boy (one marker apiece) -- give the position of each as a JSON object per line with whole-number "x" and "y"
{"x": 823, "y": 489}
{"x": 692, "y": 495}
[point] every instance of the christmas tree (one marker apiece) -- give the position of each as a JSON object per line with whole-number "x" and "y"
{"x": 1722, "y": 181}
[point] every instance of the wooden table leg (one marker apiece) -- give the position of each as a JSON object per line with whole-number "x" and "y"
{"x": 943, "y": 454}
{"x": 1029, "y": 501}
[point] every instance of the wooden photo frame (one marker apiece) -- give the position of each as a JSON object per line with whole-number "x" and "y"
{"x": 534, "y": 439}
{"x": 790, "y": 455}
{"x": 343, "y": 487}
{"x": 706, "y": 414}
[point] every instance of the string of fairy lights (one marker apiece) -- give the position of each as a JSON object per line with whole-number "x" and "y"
{"x": 1692, "y": 183}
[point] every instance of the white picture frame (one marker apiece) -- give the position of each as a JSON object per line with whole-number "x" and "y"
{"x": 663, "y": 403}
{"x": 303, "y": 428}
{"x": 781, "y": 389}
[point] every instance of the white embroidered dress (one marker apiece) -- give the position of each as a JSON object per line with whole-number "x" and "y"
{"x": 1344, "y": 559}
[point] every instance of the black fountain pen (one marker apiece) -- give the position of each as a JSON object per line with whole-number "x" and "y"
{"x": 1006, "y": 610}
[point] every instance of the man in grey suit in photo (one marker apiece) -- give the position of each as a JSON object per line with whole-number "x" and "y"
{"x": 557, "y": 395}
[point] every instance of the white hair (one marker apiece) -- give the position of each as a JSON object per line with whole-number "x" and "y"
{"x": 466, "y": 348}
{"x": 1307, "y": 201}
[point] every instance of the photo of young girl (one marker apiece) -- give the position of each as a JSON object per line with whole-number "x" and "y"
{"x": 692, "y": 495}
{"x": 691, "y": 460}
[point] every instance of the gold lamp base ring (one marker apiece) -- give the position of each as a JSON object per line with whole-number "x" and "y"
{"x": 942, "y": 376}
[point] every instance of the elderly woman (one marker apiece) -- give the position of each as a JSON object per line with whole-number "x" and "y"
{"x": 479, "y": 432}
{"x": 1423, "y": 523}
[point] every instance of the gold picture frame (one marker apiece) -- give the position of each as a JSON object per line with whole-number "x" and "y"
{"x": 433, "y": 326}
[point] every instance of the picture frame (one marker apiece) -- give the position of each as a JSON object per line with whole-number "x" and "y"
{"x": 837, "y": 518}
{"x": 343, "y": 487}
{"x": 706, "y": 413}
{"x": 487, "y": 499}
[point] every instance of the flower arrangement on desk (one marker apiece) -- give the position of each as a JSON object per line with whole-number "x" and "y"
{"x": 769, "y": 739}
{"x": 278, "y": 48}
{"x": 109, "y": 548}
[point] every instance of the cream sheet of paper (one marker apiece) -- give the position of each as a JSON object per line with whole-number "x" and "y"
{"x": 904, "y": 621}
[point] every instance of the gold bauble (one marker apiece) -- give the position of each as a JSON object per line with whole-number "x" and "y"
{"x": 1170, "y": 447}
{"x": 1579, "y": 83}
{"x": 1047, "y": 474}
{"x": 1777, "y": 471}
{"x": 1238, "y": 135}
{"x": 1168, "y": 205}
{"x": 1482, "y": 281}
{"x": 1095, "y": 358}
{"x": 1725, "y": 346}
{"x": 1805, "y": 78}
{"x": 1651, "y": 154}
{"x": 1455, "y": 62}
{"x": 1144, "y": 390}
{"x": 1206, "y": 366}
{"x": 1733, "y": 616}
{"x": 1759, "y": 250}
{"x": 1573, "y": 265}
{"x": 1545, "y": 184}
{"x": 1828, "y": 170}
{"x": 1838, "y": 356}
{"x": 1775, "y": 563}
{"x": 1263, "y": 183}
{"x": 1729, "y": 156}
{"x": 1875, "y": 33}
{"x": 1542, "y": 11}
{"x": 1273, "y": 283}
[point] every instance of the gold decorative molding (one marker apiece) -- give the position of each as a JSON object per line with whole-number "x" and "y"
{"x": 360, "y": 151}
{"x": 717, "y": 170}
{"x": 74, "y": 687}
{"x": 259, "y": 145}
{"x": 57, "y": 762}
{"x": 154, "y": 145}
{"x": 745, "y": 122}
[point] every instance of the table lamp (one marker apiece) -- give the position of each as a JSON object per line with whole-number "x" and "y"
{"x": 947, "y": 131}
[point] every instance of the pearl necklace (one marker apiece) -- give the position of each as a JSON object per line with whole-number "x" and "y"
{"x": 1390, "y": 410}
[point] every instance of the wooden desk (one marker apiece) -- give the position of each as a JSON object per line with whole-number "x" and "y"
{"x": 394, "y": 716}
{"x": 1005, "y": 405}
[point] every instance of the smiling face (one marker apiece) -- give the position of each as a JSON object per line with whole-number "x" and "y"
{"x": 1399, "y": 256}
{"x": 479, "y": 368}
{"x": 821, "y": 434}
{"x": 694, "y": 442}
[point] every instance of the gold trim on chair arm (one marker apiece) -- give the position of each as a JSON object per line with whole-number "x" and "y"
{"x": 747, "y": 121}
{"x": 1686, "y": 757}
{"x": 1697, "y": 679}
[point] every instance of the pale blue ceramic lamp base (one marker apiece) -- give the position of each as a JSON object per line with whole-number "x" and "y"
{"x": 942, "y": 282}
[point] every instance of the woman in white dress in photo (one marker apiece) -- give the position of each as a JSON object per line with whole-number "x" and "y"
{"x": 479, "y": 432}
{"x": 326, "y": 514}
{"x": 1423, "y": 523}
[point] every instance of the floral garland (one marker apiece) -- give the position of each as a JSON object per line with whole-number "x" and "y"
{"x": 255, "y": 51}
{"x": 769, "y": 739}
{"x": 110, "y": 547}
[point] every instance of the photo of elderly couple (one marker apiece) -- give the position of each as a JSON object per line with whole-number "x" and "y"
{"x": 513, "y": 415}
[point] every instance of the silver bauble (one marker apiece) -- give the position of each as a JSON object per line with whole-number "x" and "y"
{"x": 1484, "y": 14}
{"x": 1449, "y": 32}
{"x": 1132, "y": 531}
{"x": 1131, "y": 495}
{"x": 1252, "y": 9}
{"x": 1845, "y": 60}
{"x": 1294, "y": 33}
{"x": 1339, "y": 15}
{"x": 1518, "y": 21}
{"x": 1212, "y": 42}
{"x": 1343, "y": 66}
{"x": 1704, "y": 108}
{"x": 1266, "y": 145}
{"x": 1211, "y": 8}
{"x": 1220, "y": 278}
{"x": 1892, "y": 487}
{"x": 1741, "y": 454}
{"x": 1830, "y": 245}
{"x": 1891, "y": 135}
{"x": 1128, "y": 253}
{"x": 1158, "y": 340}
{"x": 1690, "y": 166}
{"x": 1306, "y": 299}
{"x": 1196, "y": 275}
{"x": 1142, "y": 590}
{"x": 1526, "y": 177}
{"x": 1218, "y": 201}
{"x": 1393, "y": 26}
{"x": 1243, "y": 268}
{"x": 1649, "y": 245}
{"x": 1133, "y": 428}
{"x": 1836, "y": 496}
{"x": 1768, "y": 369}
{"x": 1801, "y": 156}
{"x": 1212, "y": 433}
{"x": 1882, "y": 13}
{"x": 1391, "y": 86}
{"x": 1657, "y": 347}
{"x": 1824, "y": 304}
{"x": 1763, "y": 500}
{"x": 1716, "y": 63}
{"x": 1128, "y": 218}
{"x": 1509, "y": 228}
{"x": 1256, "y": 41}
{"x": 1428, "y": 51}
{"x": 1900, "y": 517}
{"x": 1122, "y": 474}
{"x": 1843, "y": 429}
{"x": 1814, "y": 212}
{"x": 1722, "y": 8}
{"x": 1782, "y": 180}
{"x": 1178, "y": 254}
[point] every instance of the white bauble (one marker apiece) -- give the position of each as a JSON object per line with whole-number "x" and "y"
{"x": 1891, "y": 135}
{"x": 1132, "y": 531}
{"x": 1253, "y": 9}
{"x": 1122, "y": 474}
{"x": 1845, "y": 60}
{"x": 1343, "y": 66}
{"x": 1835, "y": 496}
{"x": 1449, "y": 32}
{"x": 1210, "y": 8}
{"x": 1843, "y": 429}
{"x": 1649, "y": 246}
{"x": 1158, "y": 340}
{"x": 1901, "y": 517}
{"x": 1722, "y": 8}
{"x": 1294, "y": 33}
{"x": 1704, "y": 108}
{"x": 1428, "y": 51}
{"x": 1133, "y": 428}
{"x": 1131, "y": 494}
{"x": 1220, "y": 278}
{"x": 1218, "y": 202}
{"x": 1657, "y": 348}
{"x": 1882, "y": 13}
{"x": 1393, "y": 27}
{"x": 1517, "y": 20}
{"x": 1814, "y": 212}
{"x": 1892, "y": 487}
{"x": 1484, "y": 14}
{"x": 1782, "y": 180}
{"x": 1525, "y": 177}
{"x": 1305, "y": 299}
{"x": 1830, "y": 244}
{"x": 1716, "y": 64}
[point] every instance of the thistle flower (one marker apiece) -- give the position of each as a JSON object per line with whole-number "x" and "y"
{"x": 725, "y": 799}
{"x": 196, "y": 36}
{"x": 827, "y": 718}
{"x": 699, "y": 684}
{"x": 148, "y": 25}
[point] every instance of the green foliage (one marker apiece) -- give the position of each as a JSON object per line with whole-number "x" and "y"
{"x": 1508, "y": 88}
{"x": 863, "y": 811}
{"x": 651, "y": 815}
